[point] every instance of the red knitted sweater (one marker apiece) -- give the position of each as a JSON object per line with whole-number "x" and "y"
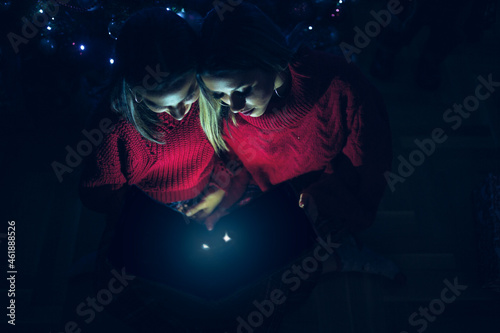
{"x": 333, "y": 121}
{"x": 175, "y": 171}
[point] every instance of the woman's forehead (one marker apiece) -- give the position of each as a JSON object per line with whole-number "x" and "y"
{"x": 230, "y": 80}
{"x": 173, "y": 95}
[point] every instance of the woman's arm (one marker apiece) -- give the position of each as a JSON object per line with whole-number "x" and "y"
{"x": 352, "y": 186}
{"x": 229, "y": 181}
{"x": 103, "y": 185}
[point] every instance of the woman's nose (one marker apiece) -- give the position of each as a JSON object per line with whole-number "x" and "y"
{"x": 237, "y": 101}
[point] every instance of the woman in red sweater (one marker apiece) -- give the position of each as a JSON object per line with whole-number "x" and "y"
{"x": 307, "y": 117}
{"x": 156, "y": 142}
{"x": 290, "y": 114}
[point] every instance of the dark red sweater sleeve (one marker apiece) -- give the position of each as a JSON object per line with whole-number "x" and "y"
{"x": 103, "y": 184}
{"x": 353, "y": 184}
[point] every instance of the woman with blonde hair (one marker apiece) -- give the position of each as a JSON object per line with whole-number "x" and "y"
{"x": 155, "y": 143}
{"x": 288, "y": 114}
{"x": 304, "y": 117}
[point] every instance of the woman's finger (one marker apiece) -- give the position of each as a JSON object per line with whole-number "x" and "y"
{"x": 193, "y": 210}
{"x": 212, "y": 220}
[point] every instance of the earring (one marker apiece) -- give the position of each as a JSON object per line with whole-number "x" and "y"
{"x": 137, "y": 100}
{"x": 276, "y": 89}
{"x": 134, "y": 94}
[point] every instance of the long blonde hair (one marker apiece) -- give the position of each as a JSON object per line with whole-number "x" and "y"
{"x": 250, "y": 40}
{"x": 143, "y": 51}
{"x": 211, "y": 117}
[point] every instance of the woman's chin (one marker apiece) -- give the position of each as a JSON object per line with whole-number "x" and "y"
{"x": 256, "y": 113}
{"x": 179, "y": 118}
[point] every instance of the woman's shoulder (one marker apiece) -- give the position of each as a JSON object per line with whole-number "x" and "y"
{"x": 113, "y": 128}
{"x": 326, "y": 79}
{"x": 119, "y": 126}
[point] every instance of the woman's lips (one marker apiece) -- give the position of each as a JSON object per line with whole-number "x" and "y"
{"x": 247, "y": 112}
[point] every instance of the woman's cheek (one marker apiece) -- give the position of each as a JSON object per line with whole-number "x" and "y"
{"x": 262, "y": 100}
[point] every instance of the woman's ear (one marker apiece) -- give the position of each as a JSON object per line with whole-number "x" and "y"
{"x": 282, "y": 81}
{"x": 279, "y": 80}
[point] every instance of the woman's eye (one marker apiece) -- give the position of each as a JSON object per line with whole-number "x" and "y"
{"x": 218, "y": 95}
{"x": 247, "y": 91}
{"x": 154, "y": 107}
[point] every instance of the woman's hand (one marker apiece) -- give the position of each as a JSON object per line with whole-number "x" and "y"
{"x": 207, "y": 205}
{"x": 215, "y": 217}
{"x": 235, "y": 190}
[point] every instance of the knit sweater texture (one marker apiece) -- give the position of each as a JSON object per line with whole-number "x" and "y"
{"x": 333, "y": 121}
{"x": 178, "y": 170}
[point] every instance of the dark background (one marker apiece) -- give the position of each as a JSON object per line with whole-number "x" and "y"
{"x": 48, "y": 90}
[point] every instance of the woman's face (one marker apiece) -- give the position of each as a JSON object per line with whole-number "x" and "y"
{"x": 246, "y": 92}
{"x": 177, "y": 100}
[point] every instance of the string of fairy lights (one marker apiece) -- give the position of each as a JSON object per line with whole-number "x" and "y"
{"x": 65, "y": 24}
